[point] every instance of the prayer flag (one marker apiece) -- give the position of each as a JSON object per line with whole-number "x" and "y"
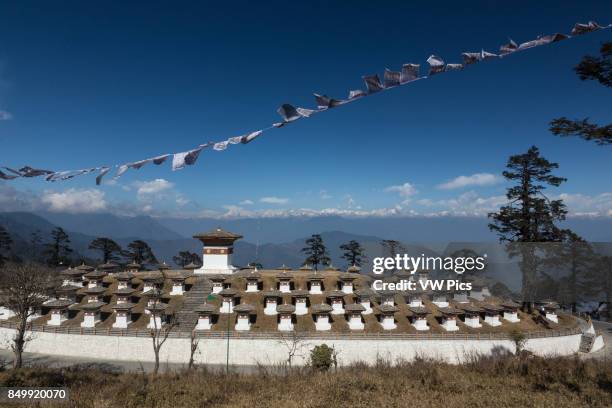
{"x": 373, "y": 83}
{"x": 410, "y": 72}
{"x": 392, "y": 78}
{"x": 436, "y": 64}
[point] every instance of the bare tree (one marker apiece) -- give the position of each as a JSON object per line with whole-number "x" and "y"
{"x": 159, "y": 335}
{"x": 194, "y": 342}
{"x": 23, "y": 290}
{"x": 294, "y": 342}
{"x": 335, "y": 355}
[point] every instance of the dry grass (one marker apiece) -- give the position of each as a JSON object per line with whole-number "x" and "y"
{"x": 502, "y": 382}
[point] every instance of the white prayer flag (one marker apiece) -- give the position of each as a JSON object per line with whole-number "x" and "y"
{"x": 235, "y": 139}
{"x": 69, "y": 174}
{"x": 508, "y": 48}
{"x": 436, "y": 64}
{"x": 57, "y": 176}
{"x": 551, "y": 38}
{"x": 219, "y": 146}
{"x": 306, "y": 112}
{"x": 373, "y": 83}
{"x": 580, "y": 28}
{"x": 410, "y": 72}
{"x": 137, "y": 165}
{"x": 251, "y": 136}
{"x": 120, "y": 170}
{"x": 453, "y": 67}
{"x": 470, "y": 57}
{"x": 4, "y": 176}
{"x": 182, "y": 159}
{"x": 484, "y": 55}
{"x": 392, "y": 78}
{"x": 354, "y": 94}
{"x": 103, "y": 171}
{"x": 325, "y": 102}
{"x": 288, "y": 113}
{"x": 529, "y": 44}
{"x": 28, "y": 171}
{"x": 160, "y": 159}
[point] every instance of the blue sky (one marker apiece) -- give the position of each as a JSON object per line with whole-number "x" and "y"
{"x": 95, "y": 83}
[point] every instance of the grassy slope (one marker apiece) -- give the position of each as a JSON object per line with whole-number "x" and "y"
{"x": 501, "y": 382}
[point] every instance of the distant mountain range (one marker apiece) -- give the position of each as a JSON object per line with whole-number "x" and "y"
{"x": 109, "y": 225}
{"x": 167, "y": 243}
{"x": 407, "y": 229}
{"x": 287, "y": 229}
{"x": 277, "y": 241}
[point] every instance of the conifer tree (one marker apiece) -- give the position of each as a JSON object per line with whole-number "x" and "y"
{"x": 140, "y": 252}
{"x": 354, "y": 253}
{"x": 391, "y": 248}
{"x": 316, "y": 252}
{"x": 578, "y": 258}
{"x": 58, "y": 250}
{"x": 184, "y": 258}
{"x": 600, "y": 70}
{"x": 110, "y": 249}
{"x": 530, "y": 217}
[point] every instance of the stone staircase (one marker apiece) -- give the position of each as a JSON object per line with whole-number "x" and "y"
{"x": 586, "y": 342}
{"x": 196, "y": 296}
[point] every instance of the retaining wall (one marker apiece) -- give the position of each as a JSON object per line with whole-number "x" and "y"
{"x": 268, "y": 351}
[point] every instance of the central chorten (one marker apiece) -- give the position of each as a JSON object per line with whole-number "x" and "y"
{"x": 217, "y": 252}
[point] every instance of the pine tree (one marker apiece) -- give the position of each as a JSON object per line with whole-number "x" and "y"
{"x": 110, "y": 249}
{"x": 590, "y": 68}
{"x": 5, "y": 244}
{"x": 184, "y": 258}
{"x": 579, "y": 259}
{"x": 391, "y": 248}
{"x": 529, "y": 217}
{"x": 353, "y": 253}
{"x": 140, "y": 252}
{"x": 58, "y": 250}
{"x": 316, "y": 252}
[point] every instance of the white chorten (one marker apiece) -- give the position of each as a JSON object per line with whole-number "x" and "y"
{"x": 472, "y": 316}
{"x": 353, "y": 312}
{"x": 336, "y": 299}
{"x": 321, "y": 313}
{"x": 123, "y": 315}
{"x": 217, "y": 252}
{"x": 301, "y": 302}
{"x": 243, "y": 318}
{"x": 285, "y": 318}
{"x": 387, "y": 317}
{"x": 492, "y": 315}
{"x": 511, "y": 312}
{"x": 449, "y": 318}
{"x": 205, "y": 312}
{"x": 419, "y": 318}
{"x": 271, "y": 298}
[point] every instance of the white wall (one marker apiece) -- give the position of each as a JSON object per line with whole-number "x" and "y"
{"x": 266, "y": 351}
{"x": 598, "y": 344}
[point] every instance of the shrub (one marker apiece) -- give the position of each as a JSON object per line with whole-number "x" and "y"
{"x": 519, "y": 339}
{"x": 322, "y": 357}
